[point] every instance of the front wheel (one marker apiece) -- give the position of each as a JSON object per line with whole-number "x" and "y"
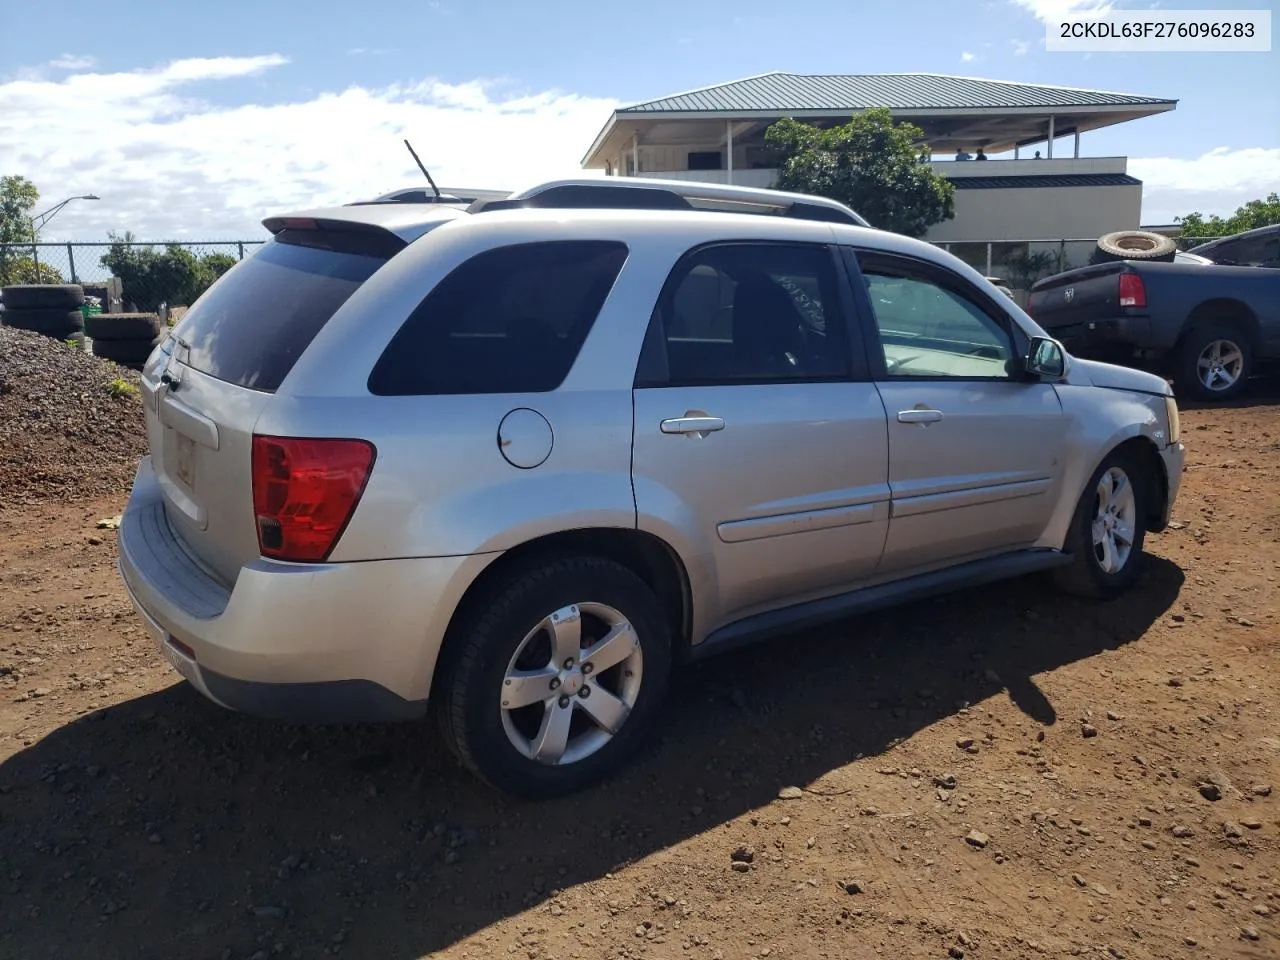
{"x": 1107, "y": 531}
{"x": 558, "y": 676}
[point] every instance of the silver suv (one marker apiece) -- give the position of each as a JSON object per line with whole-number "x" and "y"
{"x": 510, "y": 464}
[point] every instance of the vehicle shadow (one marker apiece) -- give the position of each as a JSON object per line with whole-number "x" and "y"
{"x": 1263, "y": 391}
{"x": 166, "y": 827}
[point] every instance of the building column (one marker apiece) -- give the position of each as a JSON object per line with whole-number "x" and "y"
{"x": 728, "y": 136}
{"x": 1077, "y": 144}
{"x": 1016, "y": 148}
{"x": 1050, "y": 144}
{"x": 635, "y": 154}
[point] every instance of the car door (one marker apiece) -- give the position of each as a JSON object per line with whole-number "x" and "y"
{"x": 760, "y": 447}
{"x": 975, "y": 445}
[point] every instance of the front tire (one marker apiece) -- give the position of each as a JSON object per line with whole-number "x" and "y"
{"x": 555, "y": 676}
{"x": 1107, "y": 531}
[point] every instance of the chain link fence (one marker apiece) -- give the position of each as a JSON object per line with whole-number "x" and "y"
{"x": 126, "y": 275}
{"x": 148, "y": 275}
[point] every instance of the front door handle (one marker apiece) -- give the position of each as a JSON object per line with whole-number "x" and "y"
{"x": 697, "y": 426}
{"x": 925, "y": 417}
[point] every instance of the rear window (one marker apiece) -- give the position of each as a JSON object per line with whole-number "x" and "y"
{"x": 510, "y": 320}
{"x": 251, "y": 328}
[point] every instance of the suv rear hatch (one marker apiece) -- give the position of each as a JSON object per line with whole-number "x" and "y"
{"x": 209, "y": 384}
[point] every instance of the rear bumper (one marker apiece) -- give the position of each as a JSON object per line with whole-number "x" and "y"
{"x": 335, "y": 642}
{"x": 1109, "y": 335}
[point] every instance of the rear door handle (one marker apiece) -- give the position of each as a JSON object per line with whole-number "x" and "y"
{"x": 919, "y": 416}
{"x": 699, "y": 426}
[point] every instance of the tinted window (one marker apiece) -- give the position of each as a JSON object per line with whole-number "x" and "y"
{"x": 736, "y": 313}
{"x": 253, "y": 325}
{"x": 1252, "y": 252}
{"x": 510, "y": 320}
{"x": 932, "y": 329}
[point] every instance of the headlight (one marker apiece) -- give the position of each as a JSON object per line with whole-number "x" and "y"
{"x": 1175, "y": 424}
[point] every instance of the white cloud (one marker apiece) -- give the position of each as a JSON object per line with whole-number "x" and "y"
{"x": 1049, "y": 10}
{"x": 968, "y": 57}
{"x": 169, "y": 166}
{"x": 1020, "y": 47}
{"x": 1215, "y": 182}
{"x": 71, "y": 61}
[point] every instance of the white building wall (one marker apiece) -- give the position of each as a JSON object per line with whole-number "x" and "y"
{"x": 1013, "y": 213}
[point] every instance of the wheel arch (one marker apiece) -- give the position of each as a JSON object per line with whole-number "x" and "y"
{"x": 1155, "y": 478}
{"x": 1222, "y": 310}
{"x": 649, "y": 557}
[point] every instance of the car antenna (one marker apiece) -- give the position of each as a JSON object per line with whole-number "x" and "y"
{"x": 413, "y": 153}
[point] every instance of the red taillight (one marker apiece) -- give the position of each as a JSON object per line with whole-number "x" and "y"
{"x": 304, "y": 492}
{"x": 1132, "y": 291}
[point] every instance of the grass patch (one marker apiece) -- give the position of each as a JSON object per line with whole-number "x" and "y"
{"x": 120, "y": 388}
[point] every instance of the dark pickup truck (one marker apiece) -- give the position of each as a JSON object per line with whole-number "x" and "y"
{"x": 1200, "y": 319}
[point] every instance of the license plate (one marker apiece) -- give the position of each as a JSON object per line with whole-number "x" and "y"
{"x": 186, "y": 461}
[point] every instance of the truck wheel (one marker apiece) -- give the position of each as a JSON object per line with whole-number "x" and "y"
{"x": 1107, "y": 532}
{"x": 1214, "y": 362}
{"x": 555, "y": 677}
{"x": 1134, "y": 245}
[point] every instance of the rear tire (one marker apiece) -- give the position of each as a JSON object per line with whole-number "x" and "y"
{"x": 518, "y": 635}
{"x": 1108, "y": 530}
{"x": 1214, "y": 362}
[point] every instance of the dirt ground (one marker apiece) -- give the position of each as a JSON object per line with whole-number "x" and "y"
{"x": 1001, "y": 774}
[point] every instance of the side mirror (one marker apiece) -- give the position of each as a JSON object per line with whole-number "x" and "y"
{"x": 1046, "y": 359}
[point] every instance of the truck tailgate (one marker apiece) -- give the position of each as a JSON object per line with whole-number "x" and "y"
{"x": 1077, "y": 296}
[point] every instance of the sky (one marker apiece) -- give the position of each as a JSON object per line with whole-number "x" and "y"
{"x": 195, "y": 121}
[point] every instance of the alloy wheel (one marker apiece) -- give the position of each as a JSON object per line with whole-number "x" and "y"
{"x": 572, "y": 683}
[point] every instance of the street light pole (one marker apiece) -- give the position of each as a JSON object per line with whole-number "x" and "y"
{"x": 40, "y": 219}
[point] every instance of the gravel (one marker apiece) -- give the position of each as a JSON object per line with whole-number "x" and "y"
{"x": 63, "y": 434}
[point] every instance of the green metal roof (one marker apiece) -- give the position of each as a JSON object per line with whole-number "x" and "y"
{"x": 782, "y": 92}
{"x": 1046, "y": 181}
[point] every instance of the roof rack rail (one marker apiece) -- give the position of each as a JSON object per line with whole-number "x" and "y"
{"x": 643, "y": 193}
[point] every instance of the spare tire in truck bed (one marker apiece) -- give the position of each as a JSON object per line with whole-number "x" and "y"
{"x": 42, "y": 296}
{"x": 1134, "y": 245}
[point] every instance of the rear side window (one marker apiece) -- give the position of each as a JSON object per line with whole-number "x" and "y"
{"x": 510, "y": 320}
{"x": 251, "y": 328}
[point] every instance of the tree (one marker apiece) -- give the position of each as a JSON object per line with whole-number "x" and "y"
{"x": 1026, "y": 268}
{"x": 217, "y": 264}
{"x": 1255, "y": 213}
{"x": 18, "y": 197}
{"x": 870, "y": 164}
{"x": 15, "y": 270}
{"x": 174, "y": 276}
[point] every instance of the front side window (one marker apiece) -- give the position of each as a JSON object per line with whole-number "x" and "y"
{"x": 930, "y": 328}
{"x": 510, "y": 320}
{"x": 749, "y": 312}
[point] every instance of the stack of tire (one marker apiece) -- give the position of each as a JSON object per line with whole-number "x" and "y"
{"x": 125, "y": 338}
{"x": 49, "y": 309}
